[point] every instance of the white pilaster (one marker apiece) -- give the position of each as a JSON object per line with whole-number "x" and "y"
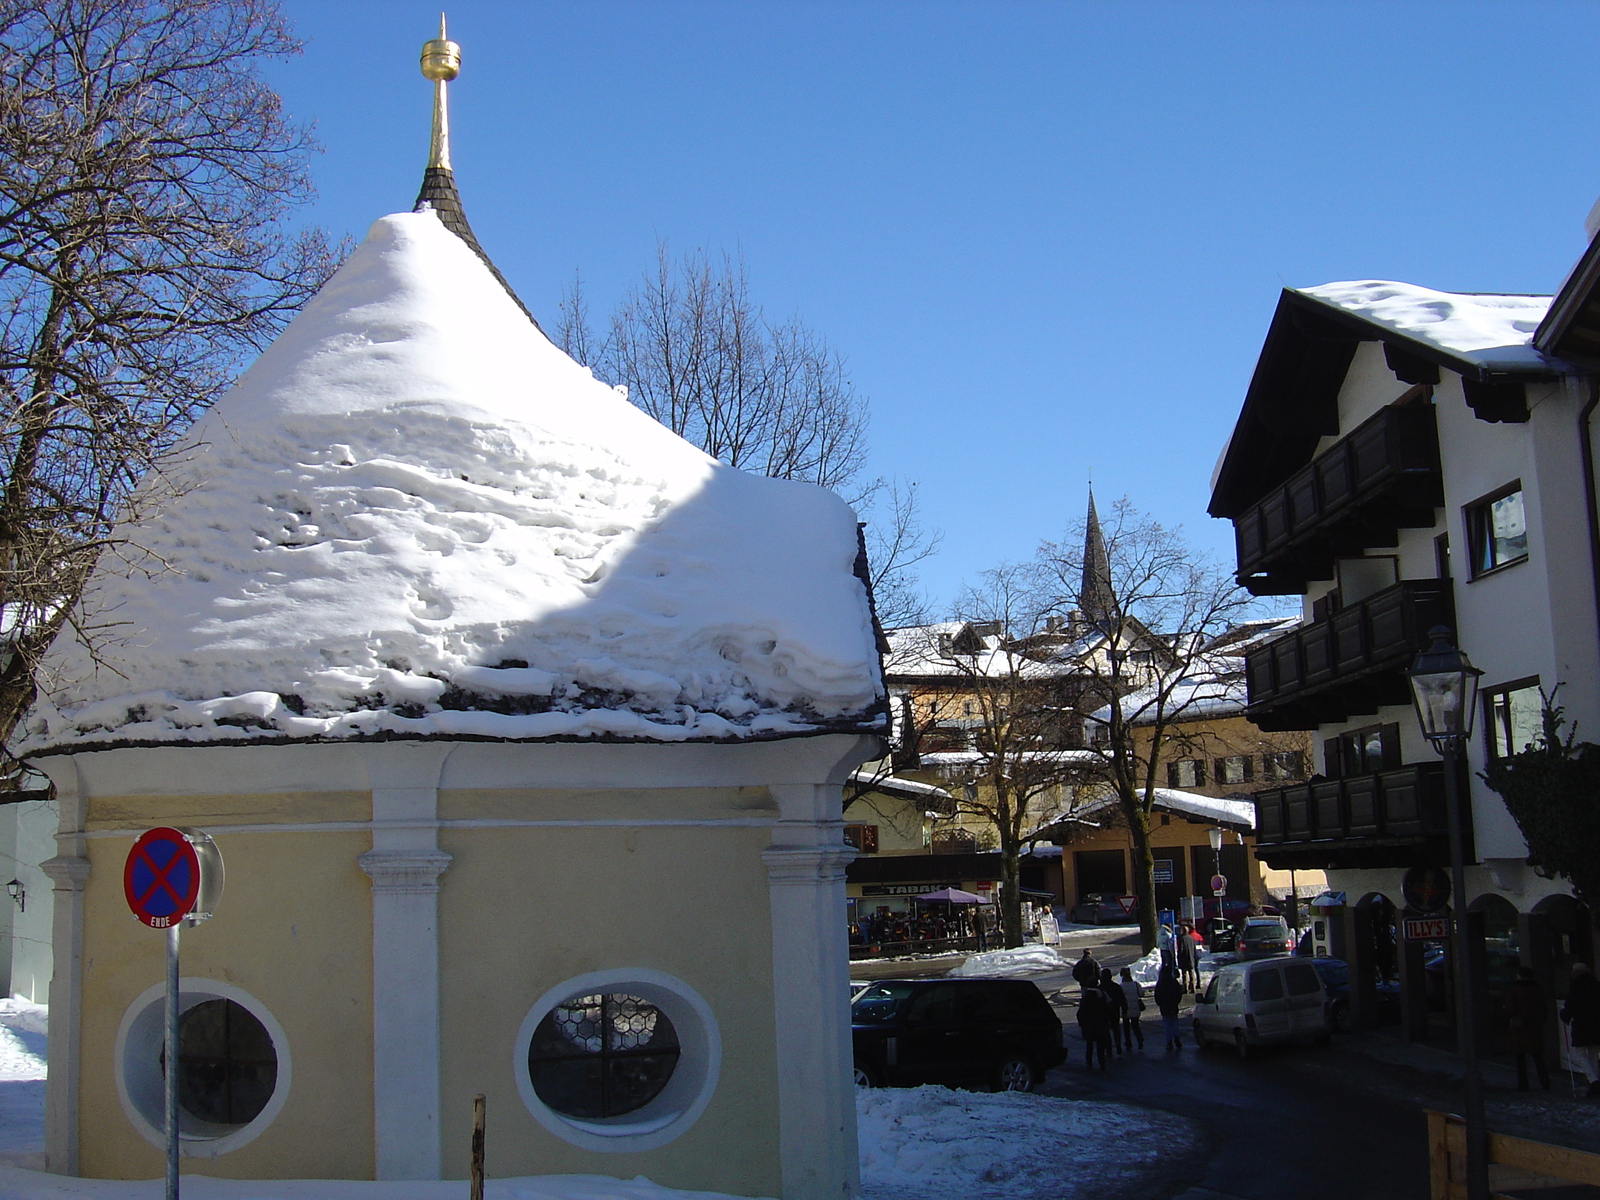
{"x": 405, "y": 863}
{"x": 811, "y": 988}
{"x": 68, "y": 871}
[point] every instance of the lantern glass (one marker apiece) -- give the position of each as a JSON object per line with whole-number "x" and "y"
{"x": 1216, "y": 839}
{"x": 1444, "y": 687}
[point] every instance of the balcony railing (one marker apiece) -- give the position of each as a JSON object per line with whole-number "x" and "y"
{"x": 1382, "y": 478}
{"x": 1352, "y": 662}
{"x": 1381, "y": 819}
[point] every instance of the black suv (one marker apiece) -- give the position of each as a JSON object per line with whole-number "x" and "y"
{"x": 907, "y": 1032}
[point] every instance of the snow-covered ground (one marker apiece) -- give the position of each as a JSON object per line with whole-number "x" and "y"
{"x": 1012, "y": 964}
{"x": 928, "y": 1143}
{"x": 22, "y": 1059}
{"x": 931, "y": 1143}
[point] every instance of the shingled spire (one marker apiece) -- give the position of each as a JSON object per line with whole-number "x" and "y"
{"x": 441, "y": 62}
{"x": 1095, "y": 598}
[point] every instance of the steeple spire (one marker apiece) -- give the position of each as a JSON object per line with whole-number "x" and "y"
{"x": 1095, "y": 598}
{"x": 441, "y": 62}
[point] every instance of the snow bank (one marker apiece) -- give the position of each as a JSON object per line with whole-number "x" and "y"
{"x": 1010, "y": 964}
{"x": 930, "y": 1142}
{"x": 1491, "y": 330}
{"x": 22, "y": 1072}
{"x": 415, "y": 515}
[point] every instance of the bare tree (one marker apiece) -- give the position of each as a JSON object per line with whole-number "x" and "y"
{"x": 1015, "y": 766}
{"x": 700, "y": 356}
{"x": 1145, "y": 650}
{"x": 772, "y": 397}
{"x": 145, "y": 169}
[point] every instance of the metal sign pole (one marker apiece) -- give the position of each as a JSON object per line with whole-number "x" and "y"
{"x": 172, "y": 1059}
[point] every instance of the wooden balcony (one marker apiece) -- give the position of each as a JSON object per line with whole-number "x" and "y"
{"x": 1359, "y": 493}
{"x": 1350, "y": 664}
{"x": 1393, "y": 818}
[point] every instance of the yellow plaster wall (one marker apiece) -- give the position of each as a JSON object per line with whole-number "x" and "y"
{"x": 271, "y": 808}
{"x": 293, "y": 930}
{"x": 520, "y": 910}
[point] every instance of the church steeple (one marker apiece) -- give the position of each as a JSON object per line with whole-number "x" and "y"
{"x": 1095, "y": 598}
{"x": 441, "y": 62}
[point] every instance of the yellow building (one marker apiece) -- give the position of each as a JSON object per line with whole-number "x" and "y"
{"x": 522, "y": 738}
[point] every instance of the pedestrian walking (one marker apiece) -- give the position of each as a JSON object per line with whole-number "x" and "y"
{"x": 1168, "y": 994}
{"x": 1135, "y": 1006}
{"x": 1086, "y": 971}
{"x": 1581, "y": 1012}
{"x": 980, "y": 929}
{"x": 1526, "y": 1012}
{"x": 1116, "y": 1027}
{"x": 1187, "y": 951}
{"x": 1094, "y": 1023}
{"x": 1168, "y": 944}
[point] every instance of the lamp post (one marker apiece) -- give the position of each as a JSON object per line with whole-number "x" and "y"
{"x": 1215, "y": 836}
{"x": 1444, "y": 685}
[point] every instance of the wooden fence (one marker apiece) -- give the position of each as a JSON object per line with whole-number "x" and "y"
{"x": 1518, "y": 1168}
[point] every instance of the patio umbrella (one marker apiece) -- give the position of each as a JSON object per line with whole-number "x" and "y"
{"x": 954, "y": 896}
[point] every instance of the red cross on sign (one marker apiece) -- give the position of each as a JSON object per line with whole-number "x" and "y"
{"x": 162, "y": 877}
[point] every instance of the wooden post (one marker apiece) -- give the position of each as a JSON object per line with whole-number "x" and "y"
{"x": 1438, "y": 1157}
{"x": 477, "y": 1147}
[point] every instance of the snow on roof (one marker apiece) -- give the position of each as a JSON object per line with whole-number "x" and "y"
{"x": 414, "y": 515}
{"x": 924, "y": 650}
{"x": 867, "y": 777}
{"x": 1493, "y": 331}
{"x": 1208, "y": 808}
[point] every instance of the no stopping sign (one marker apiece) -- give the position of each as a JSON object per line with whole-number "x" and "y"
{"x": 162, "y": 878}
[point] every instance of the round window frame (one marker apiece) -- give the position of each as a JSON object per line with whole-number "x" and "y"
{"x": 141, "y": 1037}
{"x": 675, "y": 1109}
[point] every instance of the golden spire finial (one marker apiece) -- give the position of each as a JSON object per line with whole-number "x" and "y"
{"x": 441, "y": 62}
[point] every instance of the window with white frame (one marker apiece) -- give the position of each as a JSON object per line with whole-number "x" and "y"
{"x": 1497, "y": 530}
{"x": 1512, "y": 719}
{"x": 1186, "y": 773}
{"x": 1280, "y": 765}
{"x": 1233, "y": 769}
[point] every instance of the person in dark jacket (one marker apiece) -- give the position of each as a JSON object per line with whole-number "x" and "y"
{"x": 1526, "y": 1013}
{"x": 1094, "y": 1023}
{"x": 1582, "y": 1013}
{"x": 1086, "y": 971}
{"x": 1117, "y": 1027}
{"x": 1168, "y": 994}
{"x": 1135, "y": 1000}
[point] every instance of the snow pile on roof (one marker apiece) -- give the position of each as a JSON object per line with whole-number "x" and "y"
{"x": 927, "y": 1142}
{"x": 1492, "y": 331}
{"x": 1232, "y": 812}
{"x": 1015, "y": 963}
{"x": 415, "y": 515}
{"x": 958, "y": 648}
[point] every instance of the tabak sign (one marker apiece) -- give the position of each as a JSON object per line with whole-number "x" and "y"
{"x": 172, "y": 875}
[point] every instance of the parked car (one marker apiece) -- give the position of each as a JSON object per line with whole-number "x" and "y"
{"x": 1335, "y": 974}
{"x": 1264, "y": 936}
{"x": 999, "y": 1032}
{"x": 1252, "y": 1004}
{"x": 1101, "y": 908}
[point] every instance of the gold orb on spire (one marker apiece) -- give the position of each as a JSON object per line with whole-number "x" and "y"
{"x": 441, "y": 58}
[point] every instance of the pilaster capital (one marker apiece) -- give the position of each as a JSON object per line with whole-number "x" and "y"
{"x": 69, "y": 871}
{"x": 405, "y": 872}
{"x": 807, "y": 865}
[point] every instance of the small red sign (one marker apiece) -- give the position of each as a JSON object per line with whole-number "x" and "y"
{"x": 1427, "y": 929}
{"x": 1219, "y": 883}
{"x": 162, "y": 877}
{"x": 1128, "y": 903}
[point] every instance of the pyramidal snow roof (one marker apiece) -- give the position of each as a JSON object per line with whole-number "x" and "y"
{"x": 416, "y": 516}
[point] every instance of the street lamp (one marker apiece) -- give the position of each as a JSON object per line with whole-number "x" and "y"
{"x": 17, "y": 892}
{"x": 1444, "y": 685}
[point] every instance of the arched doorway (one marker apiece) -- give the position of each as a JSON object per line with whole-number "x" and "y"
{"x": 1495, "y": 937}
{"x": 1371, "y": 950}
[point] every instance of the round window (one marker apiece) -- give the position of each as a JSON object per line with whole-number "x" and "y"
{"x": 618, "y": 1061}
{"x": 227, "y": 1068}
{"x": 602, "y": 1055}
{"x": 233, "y": 1067}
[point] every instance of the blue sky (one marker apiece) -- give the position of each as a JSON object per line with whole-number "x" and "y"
{"x": 1047, "y": 237}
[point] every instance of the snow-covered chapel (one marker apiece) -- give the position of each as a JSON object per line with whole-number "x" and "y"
{"x": 520, "y": 724}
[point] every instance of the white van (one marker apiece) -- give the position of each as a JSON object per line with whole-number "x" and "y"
{"x": 1250, "y": 1004}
